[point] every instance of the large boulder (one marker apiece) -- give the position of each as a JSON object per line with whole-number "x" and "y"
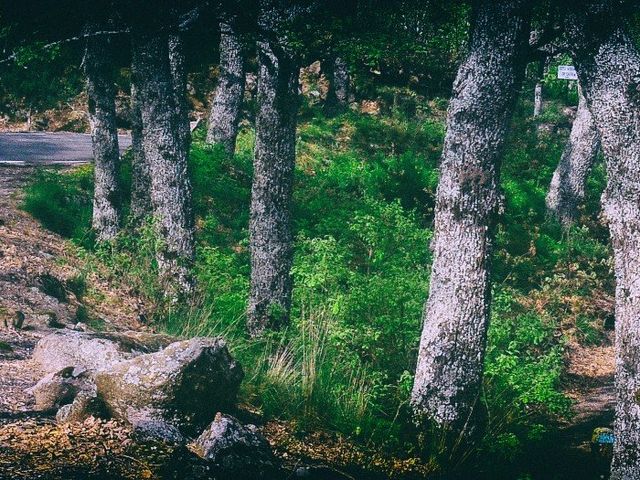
{"x": 235, "y": 450}
{"x": 94, "y": 351}
{"x": 174, "y": 393}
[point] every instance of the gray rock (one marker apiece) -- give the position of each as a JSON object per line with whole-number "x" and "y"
{"x": 85, "y": 405}
{"x": 173, "y": 393}
{"x": 236, "y": 450}
{"x": 59, "y": 388}
{"x": 94, "y": 351}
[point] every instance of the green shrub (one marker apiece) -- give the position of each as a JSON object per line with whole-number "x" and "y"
{"x": 62, "y": 201}
{"x": 363, "y": 214}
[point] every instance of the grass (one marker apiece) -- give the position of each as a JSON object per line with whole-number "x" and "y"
{"x": 363, "y": 214}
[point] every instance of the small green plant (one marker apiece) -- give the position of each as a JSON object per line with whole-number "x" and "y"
{"x": 77, "y": 284}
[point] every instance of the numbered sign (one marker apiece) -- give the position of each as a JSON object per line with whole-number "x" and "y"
{"x": 567, "y": 72}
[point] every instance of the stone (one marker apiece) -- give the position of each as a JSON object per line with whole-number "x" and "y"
{"x": 174, "y": 393}
{"x": 236, "y": 450}
{"x": 59, "y": 388}
{"x": 85, "y": 405}
{"x": 183, "y": 464}
{"x": 94, "y": 351}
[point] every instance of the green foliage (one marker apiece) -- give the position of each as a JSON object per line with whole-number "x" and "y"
{"x": 62, "y": 202}
{"x": 363, "y": 213}
{"x": 523, "y": 363}
{"x": 39, "y": 78}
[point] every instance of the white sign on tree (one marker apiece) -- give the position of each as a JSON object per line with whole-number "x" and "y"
{"x": 567, "y": 72}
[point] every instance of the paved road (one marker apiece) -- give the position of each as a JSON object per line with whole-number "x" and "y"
{"x": 49, "y": 148}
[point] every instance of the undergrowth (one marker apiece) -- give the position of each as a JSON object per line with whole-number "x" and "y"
{"x": 363, "y": 213}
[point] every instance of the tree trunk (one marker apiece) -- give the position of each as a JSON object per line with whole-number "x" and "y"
{"x": 271, "y": 240}
{"x": 101, "y": 93}
{"x": 456, "y": 315}
{"x": 165, "y": 152}
{"x": 227, "y": 102}
{"x": 140, "y": 175}
{"x": 537, "y": 94}
{"x": 608, "y": 65}
{"x": 337, "y": 73}
{"x": 537, "y": 100}
{"x": 567, "y": 189}
{"x": 179, "y": 75}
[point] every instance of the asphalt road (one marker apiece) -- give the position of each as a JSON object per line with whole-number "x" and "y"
{"x": 40, "y": 148}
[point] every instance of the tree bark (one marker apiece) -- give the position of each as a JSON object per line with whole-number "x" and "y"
{"x": 179, "y": 76}
{"x": 537, "y": 99}
{"x": 227, "y": 101}
{"x": 608, "y": 65}
{"x": 456, "y": 315}
{"x": 271, "y": 240}
{"x": 568, "y": 184}
{"x": 101, "y": 93}
{"x": 337, "y": 73}
{"x": 140, "y": 175}
{"x": 165, "y": 152}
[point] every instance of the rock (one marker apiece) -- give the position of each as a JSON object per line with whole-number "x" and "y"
{"x": 85, "y": 405}
{"x": 235, "y": 450}
{"x": 94, "y": 351}
{"x": 80, "y": 327}
{"x": 173, "y": 393}
{"x": 59, "y": 388}
{"x": 183, "y": 464}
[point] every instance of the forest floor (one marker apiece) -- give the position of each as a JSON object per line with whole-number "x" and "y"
{"x": 590, "y": 384}
{"x": 32, "y": 446}
{"x": 34, "y": 265}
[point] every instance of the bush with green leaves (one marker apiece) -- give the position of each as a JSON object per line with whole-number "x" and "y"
{"x": 363, "y": 213}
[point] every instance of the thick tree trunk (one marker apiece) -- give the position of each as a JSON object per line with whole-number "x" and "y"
{"x": 337, "y": 72}
{"x": 271, "y": 240}
{"x": 101, "y": 92}
{"x": 567, "y": 189}
{"x": 456, "y": 315}
{"x": 140, "y": 175}
{"x": 227, "y": 101}
{"x": 166, "y": 155}
{"x": 608, "y": 65}
{"x": 179, "y": 75}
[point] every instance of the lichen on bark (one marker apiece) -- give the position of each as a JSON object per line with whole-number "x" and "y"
{"x": 227, "y": 101}
{"x": 337, "y": 72}
{"x": 101, "y": 93}
{"x": 165, "y": 149}
{"x": 608, "y": 65}
{"x": 567, "y": 189}
{"x": 271, "y": 241}
{"x": 456, "y": 315}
